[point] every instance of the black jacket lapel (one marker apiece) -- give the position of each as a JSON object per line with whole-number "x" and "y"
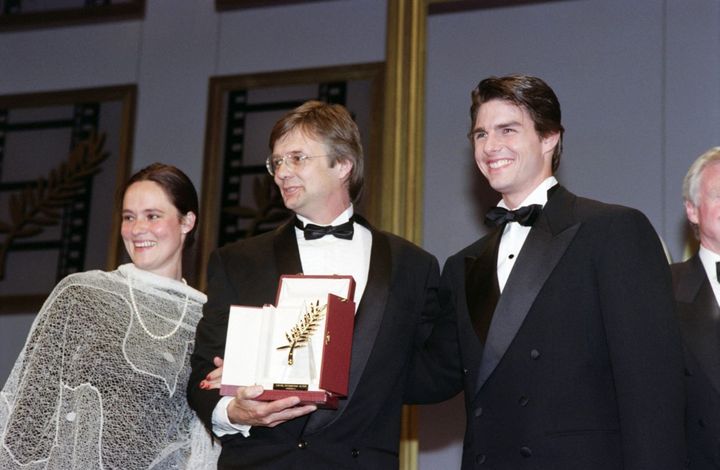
{"x": 688, "y": 284}
{"x": 544, "y": 247}
{"x": 700, "y": 319}
{"x": 482, "y": 290}
{"x": 367, "y": 321}
{"x": 287, "y": 254}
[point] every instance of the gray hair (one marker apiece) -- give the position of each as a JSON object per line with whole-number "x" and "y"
{"x": 691, "y": 183}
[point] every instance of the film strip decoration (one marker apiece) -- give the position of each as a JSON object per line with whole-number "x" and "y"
{"x": 75, "y": 216}
{"x": 240, "y": 219}
{"x": 233, "y": 164}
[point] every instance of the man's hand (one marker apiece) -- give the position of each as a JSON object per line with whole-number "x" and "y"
{"x": 243, "y": 409}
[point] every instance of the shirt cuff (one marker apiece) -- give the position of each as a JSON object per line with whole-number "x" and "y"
{"x": 221, "y": 423}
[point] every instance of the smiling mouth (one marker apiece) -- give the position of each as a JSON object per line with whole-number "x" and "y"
{"x": 146, "y": 244}
{"x": 499, "y": 163}
{"x": 290, "y": 189}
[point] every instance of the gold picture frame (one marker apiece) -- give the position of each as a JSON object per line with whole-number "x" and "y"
{"x": 241, "y": 112}
{"x": 63, "y": 156}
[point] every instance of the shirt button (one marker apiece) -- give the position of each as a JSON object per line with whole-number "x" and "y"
{"x": 525, "y": 451}
{"x": 355, "y": 453}
{"x": 478, "y": 412}
{"x": 480, "y": 459}
{"x": 302, "y": 444}
{"x": 523, "y": 401}
{"x": 535, "y": 354}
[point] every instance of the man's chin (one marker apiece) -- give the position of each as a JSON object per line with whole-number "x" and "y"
{"x": 497, "y": 185}
{"x": 290, "y": 204}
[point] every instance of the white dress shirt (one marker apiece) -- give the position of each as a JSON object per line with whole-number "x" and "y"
{"x": 709, "y": 260}
{"x": 514, "y": 235}
{"x": 332, "y": 255}
{"x": 324, "y": 256}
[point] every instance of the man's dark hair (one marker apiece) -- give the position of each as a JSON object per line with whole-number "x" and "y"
{"x": 530, "y": 93}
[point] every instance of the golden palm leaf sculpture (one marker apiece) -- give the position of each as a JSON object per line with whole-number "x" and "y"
{"x": 300, "y": 334}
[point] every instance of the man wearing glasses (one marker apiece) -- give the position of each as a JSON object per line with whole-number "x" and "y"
{"x": 317, "y": 163}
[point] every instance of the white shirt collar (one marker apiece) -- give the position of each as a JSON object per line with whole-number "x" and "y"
{"x": 340, "y": 219}
{"x": 709, "y": 260}
{"x": 537, "y": 196}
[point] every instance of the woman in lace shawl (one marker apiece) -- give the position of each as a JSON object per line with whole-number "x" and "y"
{"x": 101, "y": 380}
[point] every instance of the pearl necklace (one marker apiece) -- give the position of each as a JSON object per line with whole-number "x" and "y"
{"x": 140, "y": 320}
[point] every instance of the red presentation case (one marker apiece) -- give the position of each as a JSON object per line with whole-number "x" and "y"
{"x": 318, "y": 313}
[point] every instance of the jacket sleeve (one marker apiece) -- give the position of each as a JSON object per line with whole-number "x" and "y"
{"x": 635, "y": 294}
{"x": 436, "y": 370}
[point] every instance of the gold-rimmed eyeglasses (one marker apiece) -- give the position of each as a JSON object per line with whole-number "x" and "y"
{"x": 293, "y": 161}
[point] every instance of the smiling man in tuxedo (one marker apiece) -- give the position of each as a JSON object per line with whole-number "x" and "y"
{"x": 571, "y": 355}
{"x": 697, "y": 291}
{"x": 317, "y": 163}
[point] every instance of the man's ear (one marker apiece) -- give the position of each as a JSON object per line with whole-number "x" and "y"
{"x": 549, "y": 142}
{"x": 692, "y": 212}
{"x": 344, "y": 167}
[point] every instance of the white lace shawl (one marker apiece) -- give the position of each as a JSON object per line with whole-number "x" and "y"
{"x": 101, "y": 383}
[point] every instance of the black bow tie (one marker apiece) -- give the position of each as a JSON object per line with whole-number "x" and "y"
{"x": 525, "y": 215}
{"x": 313, "y": 232}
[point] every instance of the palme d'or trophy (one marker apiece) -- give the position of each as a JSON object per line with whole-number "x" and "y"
{"x": 311, "y": 312}
{"x": 300, "y": 334}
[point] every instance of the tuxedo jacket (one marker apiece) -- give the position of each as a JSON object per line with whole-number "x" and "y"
{"x": 393, "y": 315}
{"x": 700, "y": 326}
{"x": 581, "y": 367}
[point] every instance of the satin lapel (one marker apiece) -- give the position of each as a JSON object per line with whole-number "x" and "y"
{"x": 541, "y": 252}
{"x": 287, "y": 254}
{"x": 481, "y": 285}
{"x": 691, "y": 281}
{"x": 701, "y": 326}
{"x": 367, "y": 322}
